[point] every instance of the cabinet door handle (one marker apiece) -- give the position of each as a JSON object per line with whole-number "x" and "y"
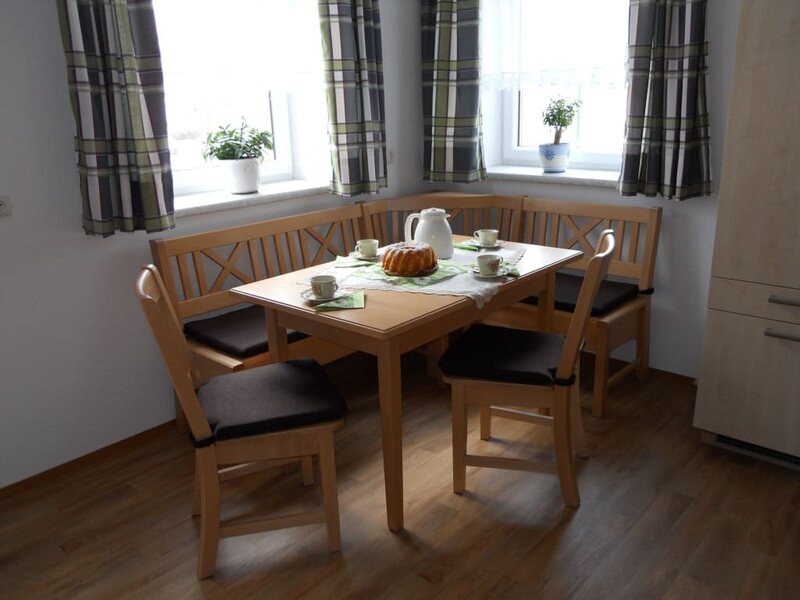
{"x": 783, "y": 336}
{"x": 787, "y": 301}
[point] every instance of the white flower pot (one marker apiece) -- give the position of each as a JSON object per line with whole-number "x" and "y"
{"x": 244, "y": 175}
{"x": 554, "y": 157}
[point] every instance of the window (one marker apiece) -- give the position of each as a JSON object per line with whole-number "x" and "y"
{"x": 243, "y": 58}
{"x": 536, "y": 50}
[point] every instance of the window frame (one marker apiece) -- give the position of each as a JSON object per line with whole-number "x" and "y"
{"x": 514, "y": 154}
{"x": 211, "y": 178}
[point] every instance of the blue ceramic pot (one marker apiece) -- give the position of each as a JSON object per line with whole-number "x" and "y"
{"x": 554, "y": 157}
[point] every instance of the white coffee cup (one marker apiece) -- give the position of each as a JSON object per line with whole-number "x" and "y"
{"x": 324, "y": 286}
{"x": 489, "y": 264}
{"x": 487, "y": 237}
{"x": 367, "y": 248}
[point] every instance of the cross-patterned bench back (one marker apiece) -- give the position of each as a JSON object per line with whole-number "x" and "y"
{"x": 199, "y": 269}
{"x": 578, "y": 225}
{"x": 385, "y": 219}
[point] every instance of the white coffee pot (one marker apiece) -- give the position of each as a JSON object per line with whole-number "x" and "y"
{"x": 432, "y": 229}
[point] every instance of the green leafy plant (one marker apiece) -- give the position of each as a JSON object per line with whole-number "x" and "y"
{"x": 234, "y": 143}
{"x": 559, "y": 114}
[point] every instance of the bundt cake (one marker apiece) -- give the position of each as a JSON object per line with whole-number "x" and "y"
{"x": 409, "y": 259}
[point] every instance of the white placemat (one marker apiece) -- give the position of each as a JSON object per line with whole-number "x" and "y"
{"x": 461, "y": 284}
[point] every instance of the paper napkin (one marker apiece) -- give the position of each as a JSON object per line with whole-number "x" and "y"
{"x": 354, "y": 300}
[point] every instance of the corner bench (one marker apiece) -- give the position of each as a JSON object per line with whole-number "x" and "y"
{"x": 224, "y": 336}
{"x": 199, "y": 269}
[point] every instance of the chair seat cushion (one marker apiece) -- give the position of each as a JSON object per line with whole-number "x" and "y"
{"x": 242, "y": 333}
{"x": 275, "y": 397}
{"x": 501, "y": 354}
{"x": 610, "y": 295}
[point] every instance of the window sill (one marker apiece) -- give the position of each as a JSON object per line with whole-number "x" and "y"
{"x": 585, "y": 177}
{"x": 207, "y": 202}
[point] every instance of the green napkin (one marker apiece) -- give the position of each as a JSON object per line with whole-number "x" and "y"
{"x": 466, "y": 246}
{"x": 446, "y": 270}
{"x": 354, "y": 300}
{"x": 352, "y": 261}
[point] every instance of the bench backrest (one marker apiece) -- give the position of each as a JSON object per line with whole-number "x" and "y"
{"x": 199, "y": 269}
{"x": 579, "y": 224}
{"x": 385, "y": 219}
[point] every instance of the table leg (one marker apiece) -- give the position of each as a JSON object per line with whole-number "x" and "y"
{"x": 390, "y": 392}
{"x": 278, "y": 345}
{"x": 546, "y": 303}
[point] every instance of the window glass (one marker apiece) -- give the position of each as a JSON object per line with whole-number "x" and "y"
{"x": 240, "y": 58}
{"x": 538, "y": 50}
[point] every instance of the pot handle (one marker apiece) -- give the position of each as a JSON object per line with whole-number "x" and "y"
{"x": 409, "y": 221}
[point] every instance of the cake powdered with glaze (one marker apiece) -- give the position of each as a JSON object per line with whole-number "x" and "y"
{"x": 409, "y": 259}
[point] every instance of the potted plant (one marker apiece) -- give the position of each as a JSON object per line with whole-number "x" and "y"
{"x": 559, "y": 115}
{"x": 241, "y": 148}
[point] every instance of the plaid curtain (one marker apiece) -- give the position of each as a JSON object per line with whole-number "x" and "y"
{"x": 451, "y": 91}
{"x": 117, "y": 93}
{"x": 666, "y": 131}
{"x": 351, "y": 45}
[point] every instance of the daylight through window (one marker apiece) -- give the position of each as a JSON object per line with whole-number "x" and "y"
{"x": 243, "y": 58}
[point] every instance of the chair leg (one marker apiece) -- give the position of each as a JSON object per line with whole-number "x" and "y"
{"x": 459, "y": 438}
{"x": 578, "y": 433}
{"x": 643, "y": 344}
{"x": 330, "y": 498}
{"x": 486, "y": 422}
{"x": 434, "y": 352}
{"x": 307, "y": 469}
{"x": 197, "y": 483}
{"x": 601, "y": 362}
{"x": 563, "y": 447}
{"x": 181, "y": 424}
{"x": 209, "y": 513}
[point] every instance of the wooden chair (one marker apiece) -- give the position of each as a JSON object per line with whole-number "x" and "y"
{"x": 246, "y": 421}
{"x": 524, "y": 370}
{"x": 621, "y": 311}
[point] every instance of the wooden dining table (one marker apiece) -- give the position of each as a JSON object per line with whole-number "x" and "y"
{"x": 394, "y": 322}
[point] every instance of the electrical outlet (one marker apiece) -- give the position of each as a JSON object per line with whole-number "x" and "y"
{"x": 5, "y": 206}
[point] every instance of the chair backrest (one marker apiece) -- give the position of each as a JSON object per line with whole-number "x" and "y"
{"x": 385, "y": 219}
{"x": 169, "y": 335}
{"x": 199, "y": 269}
{"x": 576, "y": 225}
{"x": 596, "y": 270}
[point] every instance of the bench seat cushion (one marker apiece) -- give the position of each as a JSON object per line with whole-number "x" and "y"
{"x": 501, "y": 354}
{"x": 241, "y": 333}
{"x": 276, "y": 397}
{"x": 610, "y": 295}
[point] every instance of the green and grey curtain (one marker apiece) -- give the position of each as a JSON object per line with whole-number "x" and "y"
{"x": 666, "y": 130}
{"x": 117, "y": 93}
{"x": 451, "y": 91}
{"x": 351, "y": 45}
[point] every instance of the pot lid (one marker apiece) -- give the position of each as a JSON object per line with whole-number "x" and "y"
{"x": 433, "y": 212}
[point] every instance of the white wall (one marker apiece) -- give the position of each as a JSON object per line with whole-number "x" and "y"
{"x": 78, "y": 367}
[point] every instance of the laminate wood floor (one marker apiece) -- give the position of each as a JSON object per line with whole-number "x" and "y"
{"x": 662, "y": 515}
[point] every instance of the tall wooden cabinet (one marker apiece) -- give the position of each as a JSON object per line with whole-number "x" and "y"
{"x": 749, "y": 386}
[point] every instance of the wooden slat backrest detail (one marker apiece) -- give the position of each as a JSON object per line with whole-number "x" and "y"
{"x": 385, "y": 219}
{"x": 578, "y": 225}
{"x": 199, "y": 269}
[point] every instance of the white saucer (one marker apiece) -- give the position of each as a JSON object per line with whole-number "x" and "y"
{"x": 501, "y": 273}
{"x": 310, "y": 297}
{"x": 357, "y": 255}
{"x": 482, "y": 247}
